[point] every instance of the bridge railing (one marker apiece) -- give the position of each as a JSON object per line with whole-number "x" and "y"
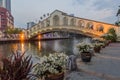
{"x": 50, "y": 28}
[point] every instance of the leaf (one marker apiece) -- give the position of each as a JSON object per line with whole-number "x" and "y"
{"x": 16, "y": 67}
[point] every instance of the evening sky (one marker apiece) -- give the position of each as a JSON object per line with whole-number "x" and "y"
{"x": 31, "y": 10}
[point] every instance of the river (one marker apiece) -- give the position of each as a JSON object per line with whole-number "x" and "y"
{"x": 40, "y": 48}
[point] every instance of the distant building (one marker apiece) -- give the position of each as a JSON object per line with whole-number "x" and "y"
{"x": 30, "y": 24}
{"x": 6, "y": 19}
{"x": 6, "y": 4}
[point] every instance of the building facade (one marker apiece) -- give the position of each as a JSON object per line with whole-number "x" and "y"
{"x": 59, "y": 20}
{"x": 6, "y": 4}
{"x": 6, "y": 19}
{"x": 30, "y": 24}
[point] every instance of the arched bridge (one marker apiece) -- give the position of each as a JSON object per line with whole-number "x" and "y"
{"x": 60, "y": 21}
{"x": 77, "y": 30}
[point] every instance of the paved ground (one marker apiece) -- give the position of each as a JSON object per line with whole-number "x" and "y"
{"x": 79, "y": 75}
{"x": 104, "y": 66}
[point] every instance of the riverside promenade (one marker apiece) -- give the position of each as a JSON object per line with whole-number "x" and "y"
{"x": 104, "y": 65}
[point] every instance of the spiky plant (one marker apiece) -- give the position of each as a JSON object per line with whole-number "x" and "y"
{"x": 16, "y": 67}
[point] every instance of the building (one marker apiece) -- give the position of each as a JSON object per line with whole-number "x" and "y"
{"x": 61, "y": 21}
{"x": 6, "y": 19}
{"x": 6, "y": 4}
{"x": 30, "y": 24}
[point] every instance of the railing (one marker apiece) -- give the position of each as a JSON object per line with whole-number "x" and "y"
{"x": 68, "y": 28}
{"x": 11, "y": 39}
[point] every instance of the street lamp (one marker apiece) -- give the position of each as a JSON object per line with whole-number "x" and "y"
{"x": 22, "y": 37}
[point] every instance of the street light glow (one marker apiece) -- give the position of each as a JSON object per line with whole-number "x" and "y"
{"x": 39, "y": 37}
{"x": 22, "y": 37}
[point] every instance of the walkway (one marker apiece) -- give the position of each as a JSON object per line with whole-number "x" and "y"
{"x": 104, "y": 65}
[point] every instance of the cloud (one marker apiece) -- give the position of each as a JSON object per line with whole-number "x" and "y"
{"x": 31, "y": 10}
{"x": 96, "y": 9}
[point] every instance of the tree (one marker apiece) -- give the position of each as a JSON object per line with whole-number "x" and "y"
{"x": 117, "y": 23}
{"x": 13, "y": 31}
{"x": 111, "y": 35}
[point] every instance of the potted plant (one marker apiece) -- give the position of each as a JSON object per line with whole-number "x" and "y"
{"x": 104, "y": 45}
{"x": 85, "y": 50}
{"x": 97, "y": 47}
{"x": 16, "y": 67}
{"x": 51, "y": 67}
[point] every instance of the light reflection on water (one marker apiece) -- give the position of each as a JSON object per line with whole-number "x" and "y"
{"x": 39, "y": 45}
{"x": 40, "y": 48}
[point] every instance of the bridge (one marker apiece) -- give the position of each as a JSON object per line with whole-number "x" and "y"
{"x": 60, "y": 21}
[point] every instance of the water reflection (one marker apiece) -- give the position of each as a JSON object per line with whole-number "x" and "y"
{"x": 14, "y": 47}
{"x": 22, "y": 47}
{"x": 40, "y": 48}
{"x": 57, "y": 46}
{"x": 39, "y": 45}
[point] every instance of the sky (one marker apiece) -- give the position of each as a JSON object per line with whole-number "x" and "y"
{"x": 25, "y": 11}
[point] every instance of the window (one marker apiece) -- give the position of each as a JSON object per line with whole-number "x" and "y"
{"x": 47, "y": 23}
{"x": 56, "y": 20}
{"x": 89, "y": 25}
{"x": 65, "y": 21}
{"x": 72, "y": 22}
{"x": 81, "y": 24}
{"x": 42, "y": 24}
{"x": 101, "y": 29}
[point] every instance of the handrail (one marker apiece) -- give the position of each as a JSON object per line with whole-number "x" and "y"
{"x": 85, "y": 31}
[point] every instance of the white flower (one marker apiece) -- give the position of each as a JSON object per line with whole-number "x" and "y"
{"x": 98, "y": 44}
{"x": 51, "y": 63}
{"x": 84, "y": 46}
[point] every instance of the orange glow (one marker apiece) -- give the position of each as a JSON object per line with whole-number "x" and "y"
{"x": 39, "y": 36}
{"x": 39, "y": 46}
{"x": 22, "y": 47}
{"x": 15, "y": 47}
{"x": 22, "y": 37}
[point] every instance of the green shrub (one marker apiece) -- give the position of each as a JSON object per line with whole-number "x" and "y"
{"x": 111, "y": 35}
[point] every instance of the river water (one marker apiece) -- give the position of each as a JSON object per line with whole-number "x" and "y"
{"x": 40, "y": 48}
